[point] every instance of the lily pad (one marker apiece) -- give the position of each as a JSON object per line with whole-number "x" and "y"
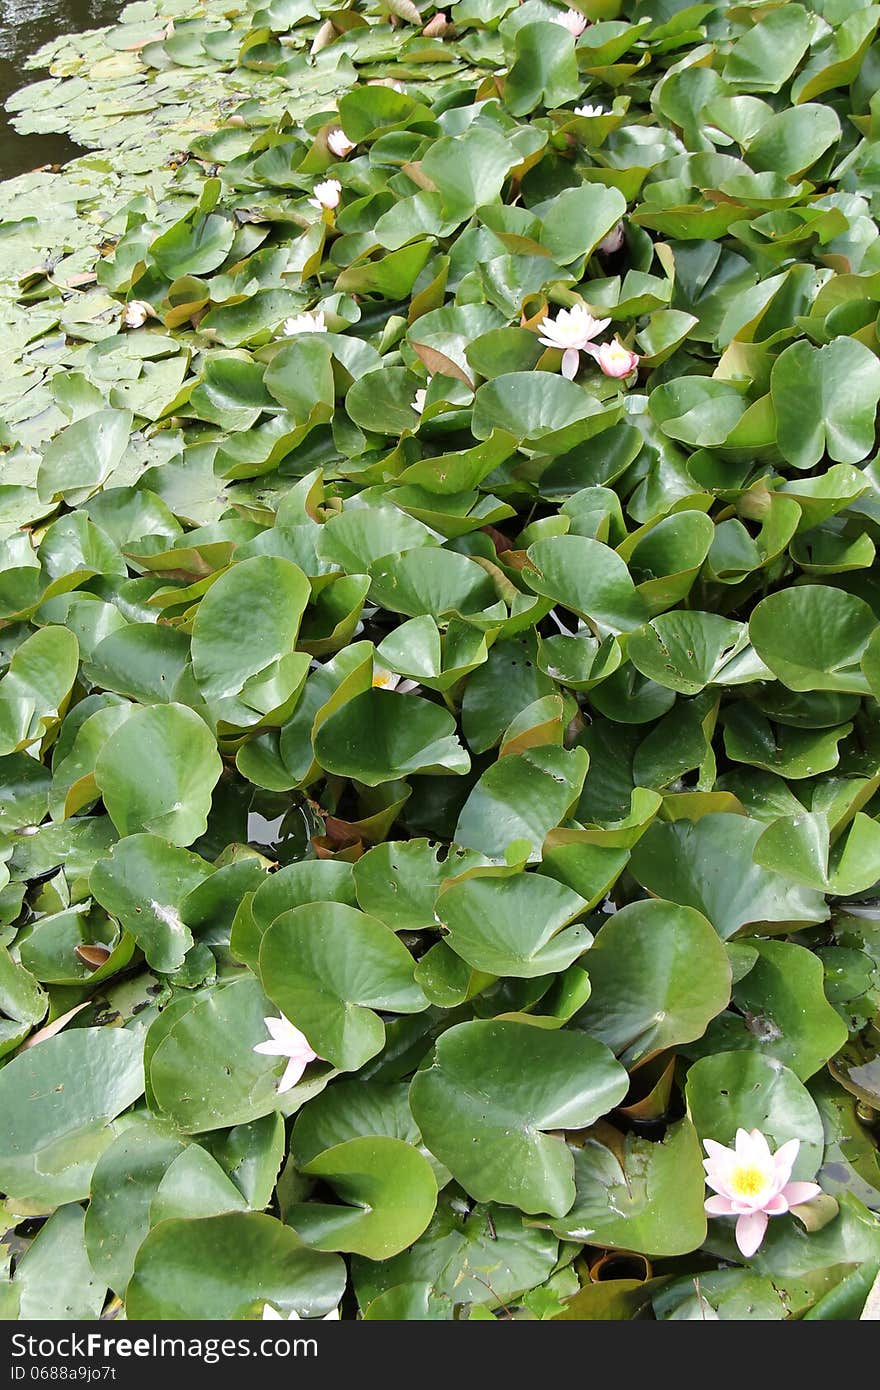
{"x": 496, "y": 1146}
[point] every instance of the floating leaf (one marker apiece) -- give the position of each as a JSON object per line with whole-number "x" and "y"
{"x": 709, "y": 865}
{"x": 494, "y": 1144}
{"x": 60, "y": 1099}
{"x": 380, "y": 735}
{"x": 328, "y": 967}
{"x": 513, "y": 926}
{"x": 743, "y": 1090}
{"x": 389, "y": 1190}
{"x": 659, "y": 975}
{"x": 643, "y": 1196}
{"x": 257, "y": 1259}
{"x": 825, "y": 399}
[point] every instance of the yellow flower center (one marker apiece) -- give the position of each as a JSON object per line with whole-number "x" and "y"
{"x": 747, "y": 1181}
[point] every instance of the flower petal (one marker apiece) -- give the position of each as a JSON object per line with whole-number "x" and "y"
{"x": 570, "y": 359}
{"x": 777, "y": 1205}
{"x": 719, "y": 1206}
{"x": 742, "y": 1142}
{"x": 716, "y": 1150}
{"x": 797, "y": 1192}
{"x": 717, "y": 1183}
{"x": 760, "y": 1148}
{"x": 784, "y": 1158}
{"x": 292, "y": 1073}
{"x": 750, "y": 1231}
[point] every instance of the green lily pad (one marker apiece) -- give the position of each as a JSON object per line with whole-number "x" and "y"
{"x": 157, "y": 771}
{"x": 743, "y": 1090}
{"x": 588, "y": 578}
{"x": 709, "y": 865}
{"x": 328, "y": 967}
{"x": 825, "y": 399}
{"x": 258, "y": 1260}
{"x": 643, "y": 1196}
{"x": 659, "y": 975}
{"x": 143, "y": 883}
{"x": 494, "y": 1145}
{"x": 389, "y": 1193}
{"x": 246, "y": 621}
{"x": 519, "y": 800}
{"x": 210, "y": 1039}
{"x": 60, "y": 1100}
{"x": 515, "y": 926}
{"x": 813, "y": 637}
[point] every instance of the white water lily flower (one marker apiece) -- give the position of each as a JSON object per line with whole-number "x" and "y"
{"x": 271, "y": 1314}
{"x": 390, "y": 680}
{"x": 326, "y": 194}
{"x": 136, "y": 313}
{"x": 572, "y": 21}
{"x": 752, "y": 1184}
{"x": 573, "y": 330}
{"x": 388, "y": 82}
{"x": 597, "y": 110}
{"x": 614, "y": 359}
{"x": 305, "y": 323}
{"x": 287, "y": 1041}
{"x": 339, "y": 144}
{"x": 418, "y": 401}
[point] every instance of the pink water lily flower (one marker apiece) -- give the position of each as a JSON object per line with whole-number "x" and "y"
{"x": 271, "y": 1314}
{"x": 752, "y": 1184}
{"x": 287, "y": 1041}
{"x": 573, "y": 330}
{"x": 572, "y": 21}
{"x": 339, "y": 144}
{"x": 326, "y": 194}
{"x": 612, "y": 242}
{"x": 615, "y": 360}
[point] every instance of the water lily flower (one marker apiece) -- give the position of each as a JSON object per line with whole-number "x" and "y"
{"x": 390, "y": 680}
{"x": 326, "y": 194}
{"x": 572, "y": 21}
{"x": 616, "y": 360}
{"x": 597, "y": 110}
{"x": 339, "y": 144}
{"x": 271, "y": 1314}
{"x": 287, "y": 1041}
{"x": 418, "y": 402}
{"x": 136, "y": 313}
{"x": 612, "y": 242}
{"x": 573, "y": 330}
{"x": 752, "y": 1184}
{"x": 305, "y": 323}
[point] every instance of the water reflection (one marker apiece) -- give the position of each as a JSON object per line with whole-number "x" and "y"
{"x": 24, "y": 26}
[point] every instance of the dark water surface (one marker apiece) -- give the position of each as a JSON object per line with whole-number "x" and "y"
{"x": 24, "y": 26}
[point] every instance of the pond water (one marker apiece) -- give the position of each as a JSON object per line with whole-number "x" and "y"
{"x": 24, "y": 26}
